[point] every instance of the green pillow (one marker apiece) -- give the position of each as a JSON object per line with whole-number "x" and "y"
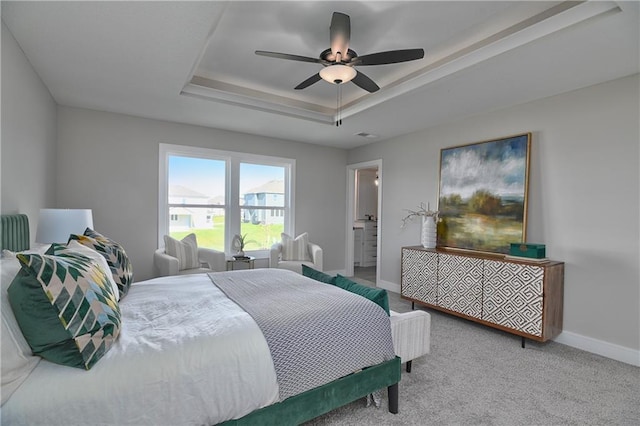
{"x": 376, "y": 295}
{"x": 66, "y": 308}
{"x": 317, "y": 275}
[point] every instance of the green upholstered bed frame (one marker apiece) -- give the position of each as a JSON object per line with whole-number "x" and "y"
{"x": 14, "y": 234}
{"x": 315, "y": 402}
{"x": 292, "y": 411}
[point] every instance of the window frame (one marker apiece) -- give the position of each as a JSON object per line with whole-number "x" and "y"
{"x": 232, "y": 208}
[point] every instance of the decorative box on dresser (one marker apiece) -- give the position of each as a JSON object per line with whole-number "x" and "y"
{"x": 518, "y": 296}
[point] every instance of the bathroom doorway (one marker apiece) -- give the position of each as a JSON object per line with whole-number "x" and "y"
{"x": 363, "y": 220}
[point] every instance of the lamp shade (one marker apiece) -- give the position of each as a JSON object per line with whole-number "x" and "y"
{"x": 55, "y": 225}
{"x": 337, "y": 74}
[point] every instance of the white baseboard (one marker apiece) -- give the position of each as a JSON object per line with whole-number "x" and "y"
{"x": 589, "y": 344}
{"x": 600, "y": 347}
{"x": 388, "y": 285}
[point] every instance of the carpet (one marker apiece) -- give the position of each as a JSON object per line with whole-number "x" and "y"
{"x": 476, "y": 375}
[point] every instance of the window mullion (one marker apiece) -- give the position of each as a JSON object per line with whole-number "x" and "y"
{"x": 233, "y": 209}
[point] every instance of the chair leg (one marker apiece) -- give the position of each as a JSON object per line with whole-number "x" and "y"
{"x": 408, "y": 366}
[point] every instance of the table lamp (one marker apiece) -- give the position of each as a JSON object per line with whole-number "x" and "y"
{"x": 55, "y": 225}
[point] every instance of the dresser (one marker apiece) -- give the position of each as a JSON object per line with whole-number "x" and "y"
{"x": 518, "y": 296}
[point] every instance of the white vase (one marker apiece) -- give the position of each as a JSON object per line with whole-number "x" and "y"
{"x": 428, "y": 237}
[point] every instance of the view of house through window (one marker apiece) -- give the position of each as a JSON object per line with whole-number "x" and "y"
{"x": 200, "y": 199}
{"x": 196, "y": 191}
{"x": 261, "y": 204}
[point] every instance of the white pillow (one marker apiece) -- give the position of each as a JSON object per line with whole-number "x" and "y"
{"x": 185, "y": 250}
{"x": 17, "y": 359}
{"x": 35, "y": 248}
{"x": 74, "y": 245}
{"x": 295, "y": 248}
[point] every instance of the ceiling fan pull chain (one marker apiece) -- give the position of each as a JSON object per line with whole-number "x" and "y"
{"x": 339, "y": 105}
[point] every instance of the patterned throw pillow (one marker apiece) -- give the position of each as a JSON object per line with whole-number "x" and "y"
{"x": 115, "y": 255}
{"x": 74, "y": 246}
{"x": 186, "y": 251}
{"x": 295, "y": 248}
{"x": 65, "y": 307}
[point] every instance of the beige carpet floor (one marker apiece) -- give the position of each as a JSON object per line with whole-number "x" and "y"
{"x": 476, "y": 375}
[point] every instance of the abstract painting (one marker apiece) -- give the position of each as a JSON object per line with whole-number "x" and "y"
{"x": 482, "y": 199}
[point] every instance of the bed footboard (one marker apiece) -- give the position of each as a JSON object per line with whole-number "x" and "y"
{"x": 315, "y": 402}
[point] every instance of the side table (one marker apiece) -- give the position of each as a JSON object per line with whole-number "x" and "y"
{"x": 232, "y": 261}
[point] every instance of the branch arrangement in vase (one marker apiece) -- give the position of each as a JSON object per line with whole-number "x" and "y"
{"x": 422, "y": 211}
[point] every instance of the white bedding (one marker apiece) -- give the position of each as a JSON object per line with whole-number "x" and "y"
{"x": 186, "y": 355}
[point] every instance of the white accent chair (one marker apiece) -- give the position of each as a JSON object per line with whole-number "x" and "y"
{"x": 210, "y": 261}
{"x": 315, "y": 254}
{"x": 411, "y": 334}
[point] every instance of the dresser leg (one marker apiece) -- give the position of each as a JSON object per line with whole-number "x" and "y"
{"x": 408, "y": 366}
{"x": 413, "y": 306}
{"x": 523, "y": 340}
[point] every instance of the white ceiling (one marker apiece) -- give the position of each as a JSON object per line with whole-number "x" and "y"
{"x": 194, "y": 62}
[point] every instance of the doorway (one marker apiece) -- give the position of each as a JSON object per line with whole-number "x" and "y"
{"x": 363, "y": 224}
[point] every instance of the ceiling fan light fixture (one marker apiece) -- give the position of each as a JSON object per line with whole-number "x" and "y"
{"x": 337, "y": 74}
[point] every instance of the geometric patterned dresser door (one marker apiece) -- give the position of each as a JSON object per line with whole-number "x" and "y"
{"x": 460, "y": 284}
{"x": 419, "y": 275}
{"x": 512, "y": 296}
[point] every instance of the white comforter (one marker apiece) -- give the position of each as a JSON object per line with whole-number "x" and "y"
{"x": 186, "y": 355}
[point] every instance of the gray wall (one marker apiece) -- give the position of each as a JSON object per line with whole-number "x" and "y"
{"x": 584, "y": 189}
{"x": 28, "y": 136}
{"x": 109, "y": 163}
{"x": 583, "y": 196}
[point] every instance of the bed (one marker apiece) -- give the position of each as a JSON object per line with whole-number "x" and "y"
{"x": 207, "y": 349}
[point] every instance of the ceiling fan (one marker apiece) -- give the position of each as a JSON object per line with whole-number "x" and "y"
{"x": 339, "y": 61}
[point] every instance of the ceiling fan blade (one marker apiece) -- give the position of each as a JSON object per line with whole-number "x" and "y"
{"x": 365, "y": 83}
{"x": 340, "y": 32}
{"x": 390, "y": 57}
{"x": 289, "y": 57}
{"x": 308, "y": 82}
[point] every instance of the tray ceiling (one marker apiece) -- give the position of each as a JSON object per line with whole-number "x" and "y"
{"x": 194, "y": 62}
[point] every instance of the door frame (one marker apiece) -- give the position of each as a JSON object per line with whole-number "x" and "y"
{"x": 351, "y": 200}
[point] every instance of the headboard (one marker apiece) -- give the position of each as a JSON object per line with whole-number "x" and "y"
{"x": 15, "y": 232}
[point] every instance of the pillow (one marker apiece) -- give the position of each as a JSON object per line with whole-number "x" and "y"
{"x": 35, "y": 248}
{"x": 295, "y": 248}
{"x": 114, "y": 254}
{"x": 17, "y": 359}
{"x": 75, "y": 246}
{"x": 65, "y": 307}
{"x": 317, "y": 275}
{"x": 376, "y": 295}
{"x": 185, "y": 250}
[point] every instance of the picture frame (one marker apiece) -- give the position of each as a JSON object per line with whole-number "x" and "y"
{"x": 482, "y": 196}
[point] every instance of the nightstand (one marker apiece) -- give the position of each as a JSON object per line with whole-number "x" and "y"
{"x": 232, "y": 261}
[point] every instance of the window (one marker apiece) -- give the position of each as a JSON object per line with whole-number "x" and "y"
{"x": 218, "y": 194}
